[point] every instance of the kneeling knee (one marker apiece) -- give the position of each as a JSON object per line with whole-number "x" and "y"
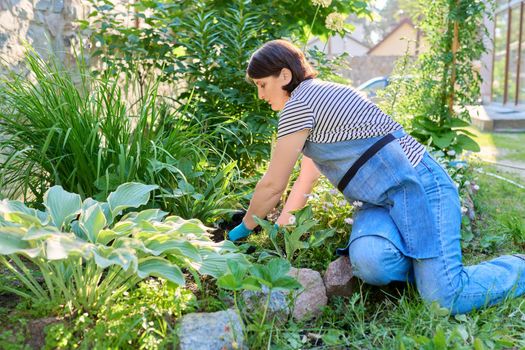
{"x": 369, "y": 267}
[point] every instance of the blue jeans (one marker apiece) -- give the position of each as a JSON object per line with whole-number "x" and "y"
{"x": 376, "y": 256}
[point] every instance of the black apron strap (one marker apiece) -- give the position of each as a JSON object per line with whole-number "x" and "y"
{"x": 369, "y": 153}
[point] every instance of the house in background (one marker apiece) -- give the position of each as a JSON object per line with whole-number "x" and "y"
{"x": 367, "y": 63}
{"x": 337, "y": 45}
{"x": 404, "y": 38}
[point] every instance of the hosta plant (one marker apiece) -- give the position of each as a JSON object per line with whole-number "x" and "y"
{"x": 88, "y": 252}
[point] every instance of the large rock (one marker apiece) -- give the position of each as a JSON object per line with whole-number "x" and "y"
{"x": 211, "y": 331}
{"x": 278, "y": 305}
{"x": 338, "y": 278}
{"x": 309, "y": 301}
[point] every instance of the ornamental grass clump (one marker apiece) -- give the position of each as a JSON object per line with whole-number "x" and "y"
{"x": 87, "y": 257}
{"x": 66, "y": 128}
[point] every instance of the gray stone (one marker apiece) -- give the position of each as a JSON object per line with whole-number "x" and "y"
{"x": 278, "y": 305}
{"x": 55, "y": 24}
{"x": 23, "y": 10}
{"x": 39, "y": 17}
{"x": 58, "y": 6}
{"x": 309, "y": 301}
{"x": 43, "y": 5}
{"x": 338, "y": 278}
{"x": 3, "y": 39}
{"x": 211, "y": 331}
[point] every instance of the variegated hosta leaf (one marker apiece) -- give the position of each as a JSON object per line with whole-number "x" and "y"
{"x": 124, "y": 227}
{"x": 145, "y": 215}
{"x": 159, "y": 267}
{"x": 129, "y": 195}
{"x": 123, "y": 257}
{"x": 185, "y": 227}
{"x": 11, "y": 242}
{"x": 62, "y": 246}
{"x": 23, "y": 219}
{"x": 162, "y": 243}
{"x": 105, "y": 236}
{"x": 92, "y": 221}
{"x": 215, "y": 264}
{"x": 132, "y": 243}
{"x": 8, "y": 207}
{"x": 41, "y": 233}
{"x": 147, "y": 226}
{"x": 89, "y": 202}
{"x": 61, "y": 205}
{"x": 75, "y": 228}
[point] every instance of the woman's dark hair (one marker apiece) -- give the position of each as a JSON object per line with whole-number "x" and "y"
{"x": 275, "y": 55}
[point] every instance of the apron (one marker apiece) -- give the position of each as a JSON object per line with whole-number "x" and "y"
{"x": 388, "y": 180}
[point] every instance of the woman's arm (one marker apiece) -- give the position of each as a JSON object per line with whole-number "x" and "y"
{"x": 272, "y": 185}
{"x": 303, "y": 186}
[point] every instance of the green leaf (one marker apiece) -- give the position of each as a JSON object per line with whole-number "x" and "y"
{"x": 129, "y": 195}
{"x": 159, "y": 267}
{"x": 458, "y": 123}
{"x": 478, "y": 344}
{"x": 229, "y": 282}
{"x": 123, "y": 257}
{"x": 185, "y": 227}
{"x": 41, "y": 233}
{"x": 124, "y": 228}
{"x": 106, "y": 236}
{"x": 467, "y": 143}
{"x": 214, "y": 264}
{"x": 145, "y": 215}
{"x": 251, "y": 283}
{"x": 62, "y": 206}
{"x": 9, "y": 206}
{"x": 236, "y": 269}
{"x": 262, "y": 273}
{"x": 23, "y": 219}
{"x": 440, "y": 341}
{"x": 11, "y": 242}
{"x": 62, "y": 246}
{"x": 163, "y": 243}
{"x": 278, "y": 268}
{"x": 92, "y": 221}
{"x": 443, "y": 140}
{"x": 286, "y": 283}
{"x": 318, "y": 238}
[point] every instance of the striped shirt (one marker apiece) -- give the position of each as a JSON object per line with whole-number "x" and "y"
{"x": 335, "y": 112}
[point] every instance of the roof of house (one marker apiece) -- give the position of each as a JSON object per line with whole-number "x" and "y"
{"x": 392, "y": 32}
{"x": 316, "y": 39}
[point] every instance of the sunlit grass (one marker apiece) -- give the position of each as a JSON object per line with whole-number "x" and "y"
{"x": 500, "y": 146}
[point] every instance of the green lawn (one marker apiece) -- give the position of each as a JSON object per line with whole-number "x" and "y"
{"x": 502, "y": 146}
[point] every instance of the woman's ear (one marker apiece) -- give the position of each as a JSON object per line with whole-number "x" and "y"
{"x": 286, "y": 76}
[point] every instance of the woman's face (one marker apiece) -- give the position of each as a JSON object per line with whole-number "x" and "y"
{"x": 271, "y": 90}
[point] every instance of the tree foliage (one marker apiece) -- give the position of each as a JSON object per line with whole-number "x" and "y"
{"x": 431, "y": 94}
{"x": 207, "y": 44}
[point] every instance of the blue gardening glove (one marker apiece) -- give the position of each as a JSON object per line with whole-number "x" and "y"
{"x": 240, "y": 231}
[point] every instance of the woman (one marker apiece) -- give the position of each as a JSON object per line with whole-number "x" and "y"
{"x": 408, "y": 228}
